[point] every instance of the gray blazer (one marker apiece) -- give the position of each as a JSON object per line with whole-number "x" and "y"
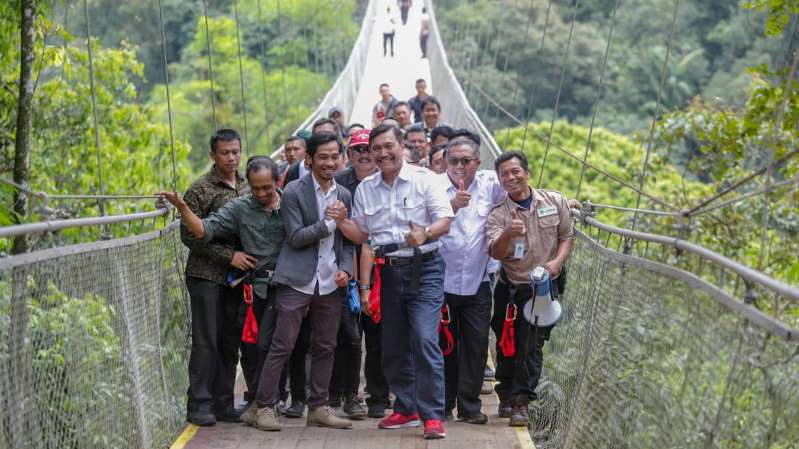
{"x": 296, "y": 264}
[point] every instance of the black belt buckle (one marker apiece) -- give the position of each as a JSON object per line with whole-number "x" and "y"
{"x": 382, "y": 250}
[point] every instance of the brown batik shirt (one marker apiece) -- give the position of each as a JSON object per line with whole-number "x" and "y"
{"x": 211, "y": 260}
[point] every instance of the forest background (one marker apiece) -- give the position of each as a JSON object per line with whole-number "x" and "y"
{"x": 723, "y": 111}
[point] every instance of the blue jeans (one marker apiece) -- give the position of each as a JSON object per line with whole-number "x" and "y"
{"x": 410, "y": 338}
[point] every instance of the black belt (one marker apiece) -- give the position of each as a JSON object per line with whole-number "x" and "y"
{"x": 263, "y": 273}
{"x": 398, "y": 261}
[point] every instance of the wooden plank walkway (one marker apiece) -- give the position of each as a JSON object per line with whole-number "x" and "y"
{"x": 364, "y": 435}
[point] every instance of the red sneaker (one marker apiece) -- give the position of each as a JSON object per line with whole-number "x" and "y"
{"x": 433, "y": 429}
{"x": 397, "y": 421}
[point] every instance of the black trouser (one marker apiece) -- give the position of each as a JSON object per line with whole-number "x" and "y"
{"x": 254, "y": 354}
{"x": 404, "y": 14}
{"x": 347, "y": 365}
{"x": 518, "y": 376}
{"x": 388, "y": 37}
{"x": 423, "y": 44}
{"x": 464, "y": 367}
{"x": 296, "y": 370}
{"x": 215, "y": 337}
{"x": 376, "y": 383}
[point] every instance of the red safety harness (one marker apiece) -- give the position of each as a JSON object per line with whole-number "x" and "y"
{"x": 374, "y": 295}
{"x": 443, "y": 326}
{"x": 249, "y": 334}
{"x": 507, "y": 342}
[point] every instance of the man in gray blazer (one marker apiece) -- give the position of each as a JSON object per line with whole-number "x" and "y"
{"x": 312, "y": 270}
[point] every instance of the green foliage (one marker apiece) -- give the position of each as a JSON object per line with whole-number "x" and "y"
{"x": 779, "y": 12}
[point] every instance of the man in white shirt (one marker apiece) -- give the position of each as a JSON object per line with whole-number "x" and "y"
{"x": 404, "y": 211}
{"x": 311, "y": 208}
{"x": 467, "y": 289}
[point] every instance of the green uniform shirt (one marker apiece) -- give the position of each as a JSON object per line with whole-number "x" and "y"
{"x": 211, "y": 260}
{"x": 259, "y": 229}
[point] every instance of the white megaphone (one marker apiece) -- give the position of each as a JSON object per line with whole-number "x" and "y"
{"x": 542, "y": 309}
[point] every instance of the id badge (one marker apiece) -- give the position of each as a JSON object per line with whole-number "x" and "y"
{"x": 518, "y": 249}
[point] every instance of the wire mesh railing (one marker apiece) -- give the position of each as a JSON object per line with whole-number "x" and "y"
{"x": 93, "y": 342}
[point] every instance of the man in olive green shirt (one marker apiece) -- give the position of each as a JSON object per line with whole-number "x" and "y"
{"x": 255, "y": 219}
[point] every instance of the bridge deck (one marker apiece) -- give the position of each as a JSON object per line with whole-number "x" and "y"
{"x": 364, "y": 435}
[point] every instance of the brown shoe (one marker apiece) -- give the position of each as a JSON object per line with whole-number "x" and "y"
{"x": 518, "y": 416}
{"x": 326, "y": 417}
{"x": 250, "y": 416}
{"x": 267, "y": 419}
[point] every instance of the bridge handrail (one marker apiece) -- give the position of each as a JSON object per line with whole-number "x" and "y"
{"x": 56, "y": 225}
{"x": 747, "y": 273}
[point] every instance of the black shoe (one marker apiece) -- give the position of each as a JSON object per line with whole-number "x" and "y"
{"x": 376, "y": 411}
{"x": 228, "y": 415}
{"x": 335, "y": 400}
{"x": 488, "y": 374}
{"x": 352, "y": 407}
{"x": 202, "y": 419}
{"x": 518, "y": 416}
{"x": 242, "y": 406}
{"x": 448, "y": 415}
{"x": 505, "y": 408}
{"x": 296, "y": 410}
{"x": 479, "y": 418}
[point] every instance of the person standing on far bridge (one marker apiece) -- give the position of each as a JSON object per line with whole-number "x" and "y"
{"x": 531, "y": 228}
{"x": 388, "y": 24}
{"x": 404, "y": 6}
{"x": 404, "y": 212}
{"x": 254, "y": 220}
{"x": 215, "y": 328}
{"x": 467, "y": 290}
{"x": 416, "y": 100}
{"x": 312, "y": 209}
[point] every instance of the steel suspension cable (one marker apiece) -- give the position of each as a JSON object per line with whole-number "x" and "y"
{"x": 168, "y": 100}
{"x": 560, "y": 90}
{"x": 210, "y": 66}
{"x": 241, "y": 78}
{"x": 92, "y": 85}
{"x": 282, "y": 63}
{"x": 531, "y": 99}
{"x": 263, "y": 75}
{"x": 774, "y": 186}
{"x": 598, "y": 97}
{"x": 505, "y": 69}
{"x": 658, "y": 104}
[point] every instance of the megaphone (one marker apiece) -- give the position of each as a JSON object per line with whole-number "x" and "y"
{"x": 542, "y": 310}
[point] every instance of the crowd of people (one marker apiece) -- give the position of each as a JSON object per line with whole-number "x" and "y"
{"x": 390, "y": 239}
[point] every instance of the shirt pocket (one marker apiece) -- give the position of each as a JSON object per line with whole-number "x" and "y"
{"x": 252, "y": 233}
{"x": 548, "y": 227}
{"x": 415, "y": 209}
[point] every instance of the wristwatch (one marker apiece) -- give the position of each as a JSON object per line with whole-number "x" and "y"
{"x": 363, "y": 287}
{"x": 428, "y": 233}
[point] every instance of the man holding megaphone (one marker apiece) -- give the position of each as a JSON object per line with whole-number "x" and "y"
{"x": 531, "y": 229}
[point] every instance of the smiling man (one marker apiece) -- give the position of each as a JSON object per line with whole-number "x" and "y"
{"x": 403, "y": 211}
{"x": 467, "y": 289}
{"x": 314, "y": 266}
{"x": 531, "y": 228}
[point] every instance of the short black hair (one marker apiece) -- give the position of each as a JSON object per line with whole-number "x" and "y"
{"x": 258, "y": 163}
{"x": 435, "y": 149}
{"x": 324, "y": 121}
{"x": 224, "y": 135}
{"x": 384, "y": 84}
{"x": 402, "y": 103}
{"x": 382, "y": 129}
{"x": 321, "y": 138}
{"x": 421, "y": 80}
{"x": 431, "y": 100}
{"x": 353, "y": 125}
{"x": 505, "y": 157}
{"x": 463, "y": 140}
{"x": 441, "y": 130}
{"x": 463, "y": 132}
{"x": 415, "y": 128}
{"x": 296, "y": 138}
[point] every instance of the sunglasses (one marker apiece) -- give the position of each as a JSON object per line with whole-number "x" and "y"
{"x": 361, "y": 149}
{"x": 454, "y": 161}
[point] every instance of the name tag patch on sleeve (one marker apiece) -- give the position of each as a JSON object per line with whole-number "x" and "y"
{"x": 547, "y": 211}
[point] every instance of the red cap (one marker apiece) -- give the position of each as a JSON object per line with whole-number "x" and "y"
{"x": 359, "y": 137}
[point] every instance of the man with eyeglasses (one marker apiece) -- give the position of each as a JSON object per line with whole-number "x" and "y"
{"x": 467, "y": 290}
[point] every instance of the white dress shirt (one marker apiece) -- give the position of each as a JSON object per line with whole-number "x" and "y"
{"x": 463, "y": 249}
{"x": 326, "y": 266}
{"x": 385, "y": 211}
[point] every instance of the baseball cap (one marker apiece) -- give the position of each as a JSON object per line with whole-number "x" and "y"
{"x": 359, "y": 137}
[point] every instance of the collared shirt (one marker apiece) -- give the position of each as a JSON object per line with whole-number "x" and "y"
{"x": 326, "y": 266}
{"x": 259, "y": 228}
{"x": 385, "y": 211}
{"x": 211, "y": 260}
{"x": 547, "y": 222}
{"x": 464, "y": 249}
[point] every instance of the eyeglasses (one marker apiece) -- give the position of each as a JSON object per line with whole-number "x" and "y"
{"x": 361, "y": 149}
{"x": 454, "y": 161}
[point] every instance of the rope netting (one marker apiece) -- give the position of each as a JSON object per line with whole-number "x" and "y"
{"x": 93, "y": 342}
{"x": 650, "y": 356}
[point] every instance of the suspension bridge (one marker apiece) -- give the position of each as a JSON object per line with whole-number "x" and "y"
{"x": 665, "y": 343}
